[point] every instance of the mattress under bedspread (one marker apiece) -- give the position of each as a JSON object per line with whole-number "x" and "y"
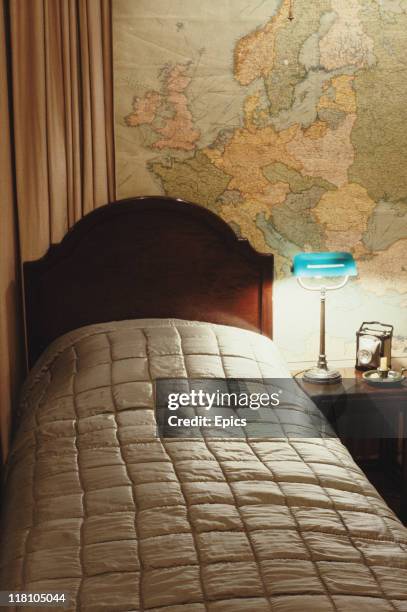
{"x": 100, "y": 508}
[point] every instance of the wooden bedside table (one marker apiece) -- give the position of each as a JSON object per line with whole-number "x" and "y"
{"x": 358, "y": 412}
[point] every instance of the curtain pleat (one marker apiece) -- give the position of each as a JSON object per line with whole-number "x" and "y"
{"x": 55, "y": 112}
{"x": 96, "y": 63}
{"x": 61, "y": 94}
{"x": 107, "y": 46}
{"x": 30, "y": 126}
{"x": 11, "y": 366}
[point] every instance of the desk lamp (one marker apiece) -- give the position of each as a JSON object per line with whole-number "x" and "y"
{"x": 326, "y": 268}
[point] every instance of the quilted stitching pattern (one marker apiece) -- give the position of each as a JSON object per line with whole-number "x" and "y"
{"x": 97, "y": 506}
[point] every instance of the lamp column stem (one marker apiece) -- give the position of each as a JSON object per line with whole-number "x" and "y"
{"x": 322, "y": 357}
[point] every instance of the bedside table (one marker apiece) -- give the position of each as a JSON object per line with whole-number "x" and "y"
{"x": 359, "y": 411}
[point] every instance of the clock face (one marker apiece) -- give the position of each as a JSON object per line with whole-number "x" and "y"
{"x": 364, "y": 356}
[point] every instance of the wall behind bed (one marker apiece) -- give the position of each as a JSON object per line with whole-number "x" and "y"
{"x": 292, "y": 130}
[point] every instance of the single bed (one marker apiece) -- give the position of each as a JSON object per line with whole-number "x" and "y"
{"x": 101, "y": 508}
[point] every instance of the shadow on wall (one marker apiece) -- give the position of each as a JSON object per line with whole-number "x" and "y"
{"x": 12, "y": 361}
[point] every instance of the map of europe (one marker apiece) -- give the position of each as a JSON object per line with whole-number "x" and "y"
{"x": 294, "y": 131}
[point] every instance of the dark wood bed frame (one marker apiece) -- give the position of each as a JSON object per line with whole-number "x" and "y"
{"x": 147, "y": 257}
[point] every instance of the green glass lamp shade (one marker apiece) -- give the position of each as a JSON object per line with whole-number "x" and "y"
{"x": 324, "y": 264}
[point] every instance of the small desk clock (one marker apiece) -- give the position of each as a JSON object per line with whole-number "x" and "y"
{"x": 373, "y": 341}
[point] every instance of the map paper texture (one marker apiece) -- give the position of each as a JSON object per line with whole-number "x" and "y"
{"x": 293, "y": 131}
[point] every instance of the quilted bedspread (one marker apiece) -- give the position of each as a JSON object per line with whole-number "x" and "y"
{"x": 100, "y": 508}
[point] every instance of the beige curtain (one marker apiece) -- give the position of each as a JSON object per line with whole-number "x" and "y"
{"x": 63, "y": 115}
{"x": 10, "y": 295}
{"x": 60, "y": 90}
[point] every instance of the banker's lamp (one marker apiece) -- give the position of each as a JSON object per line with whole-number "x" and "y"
{"x": 326, "y": 268}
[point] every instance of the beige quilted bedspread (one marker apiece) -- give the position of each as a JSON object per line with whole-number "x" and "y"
{"x": 98, "y": 507}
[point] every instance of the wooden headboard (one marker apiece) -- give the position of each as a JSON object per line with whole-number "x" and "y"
{"x": 147, "y": 257}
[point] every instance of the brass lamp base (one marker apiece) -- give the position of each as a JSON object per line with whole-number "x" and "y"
{"x": 322, "y": 376}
